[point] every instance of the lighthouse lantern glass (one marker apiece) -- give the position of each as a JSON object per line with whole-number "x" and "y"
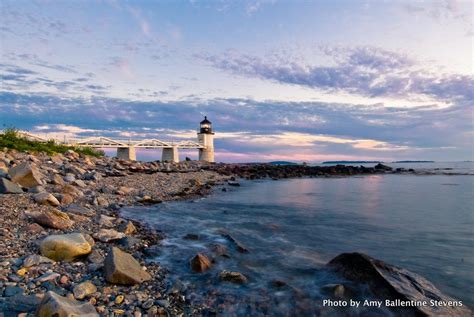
{"x": 206, "y": 126}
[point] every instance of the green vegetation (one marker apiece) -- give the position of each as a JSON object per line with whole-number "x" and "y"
{"x": 10, "y": 138}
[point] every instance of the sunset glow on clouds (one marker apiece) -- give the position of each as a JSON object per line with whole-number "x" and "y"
{"x": 280, "y": 80}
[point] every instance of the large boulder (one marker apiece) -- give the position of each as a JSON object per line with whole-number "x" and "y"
{"x": 45, "y": 198}
{"x": 59, "y": 306}
{"x": 25, "y": 174}
{"x": 392, "y": 283}
{"x": 53, "y": 218}
{"x": 7, "y": 187}
{"x": 65, "y": 247}
{"x": 200, "y": 263}
{"x": 121, "y": 268}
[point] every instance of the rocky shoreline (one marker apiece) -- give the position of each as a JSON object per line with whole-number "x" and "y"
{"x": 60, "y": 222}
{"x": 64, "y": 249}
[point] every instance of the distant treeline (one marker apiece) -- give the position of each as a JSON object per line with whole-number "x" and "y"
{"x": 414, "y": 162}
{"x": 351, "y": 162}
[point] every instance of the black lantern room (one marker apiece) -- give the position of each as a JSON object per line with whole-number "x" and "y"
{"x": 206, "y": 126}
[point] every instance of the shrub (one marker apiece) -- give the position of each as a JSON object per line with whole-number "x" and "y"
{"x": 12, "y": 139}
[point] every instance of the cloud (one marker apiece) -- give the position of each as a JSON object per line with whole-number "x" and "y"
{"x": 259, "y": 130}
{"x": 123, "y": 65}
{"x": 365, "y": 71}
{"x": 297, "y": 139}
{"x": 440, "y": 10}
{"x": 253, "y": 6}
{"x": 16, "y": 69}
{"x": 16, "y": 79}
{"x": 61, "y": 131}
{"x": 33, "y": 59}
{"x": 141, "y": 20}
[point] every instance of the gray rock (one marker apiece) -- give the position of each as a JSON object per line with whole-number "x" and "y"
{"x": 84, "y": 289}
{"x": 57, "y": 159}
{"x": 57, "y": 180}
{"x": 12, "y": 291}
{"x": 73, "y": 169}
{"x": 219, "y": 249}
{"x": 53, "y": 218}
{"x": 3, "y": 172}
{"x": 129, "y": 242}
{"x": 147, "y": 304}
{"x": 69, "y": 178}
{"x": 19, "y": 303}
{"x": 71, "y": 190}
{"x": 14, "y": 278}
{"x": 80, "y": 210}
{"x": 56, "y": 305}
{"x": 121, "y": 268}
{"x": 233, "y": 277}
{"x": 80, "y": 183}
{"x": 101, "y": 201}
{"x": 107, "y": 235}
{"x": 200, "y": 263}
{"x": 47, "y": 277}
{"x": 128, "y": 228}
{"x": 92, "y": 176}
{"x": 45, "y": 198}
{"x": 7, "y": 187}
{"x": 25, "y": 174}
{"x": 95, "y": 257}
{"x": 239, "y": 246}
{"x": 36, "y": 189}
{"x": 163, "y": 303}
{"x": 106, "y": 221}
{"x": 35, "y": 259}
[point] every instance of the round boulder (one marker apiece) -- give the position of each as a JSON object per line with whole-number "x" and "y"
{"x": 65, "y": 247}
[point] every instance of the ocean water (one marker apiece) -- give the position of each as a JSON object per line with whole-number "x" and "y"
{"x": 293, "y": 227}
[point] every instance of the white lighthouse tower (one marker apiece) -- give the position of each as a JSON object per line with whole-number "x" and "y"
{"x": 206, "y": 138}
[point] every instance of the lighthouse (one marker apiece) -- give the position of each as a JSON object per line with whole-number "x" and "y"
{"x": 206, "y": 139}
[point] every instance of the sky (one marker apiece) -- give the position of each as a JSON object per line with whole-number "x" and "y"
{"x": 280, "y": 80}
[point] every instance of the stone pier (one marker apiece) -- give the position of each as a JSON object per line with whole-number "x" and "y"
{"x": 127, "y": 153}
{"x": 170, "y": 154}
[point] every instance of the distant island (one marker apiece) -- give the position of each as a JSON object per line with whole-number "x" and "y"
{"x": 351, "y": 162}
{"x": 282, "y": 163}
{"x": 413, "y": 162}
